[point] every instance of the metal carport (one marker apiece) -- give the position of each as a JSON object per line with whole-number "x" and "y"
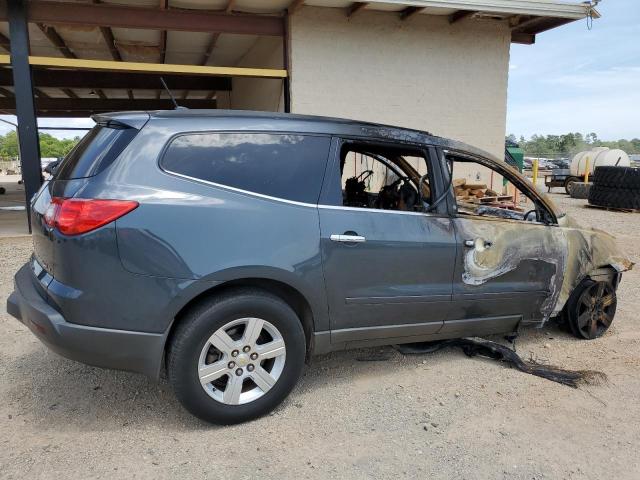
{"x": 75, "y": 58}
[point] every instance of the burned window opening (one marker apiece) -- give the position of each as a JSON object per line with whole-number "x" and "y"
{"x": 384, "y": 178}
{"x": 483, "y": 190}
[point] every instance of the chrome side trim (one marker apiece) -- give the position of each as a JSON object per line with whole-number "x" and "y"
{"x": 293, "y": 202}
{"x": 239, "y": 190}
{"x": 358, "y": 209}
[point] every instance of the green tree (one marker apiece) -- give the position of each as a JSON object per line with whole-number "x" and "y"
{"x": 50, "y": 146}
{"x": 9, "y": 145}
{"x": 570, "y": 143}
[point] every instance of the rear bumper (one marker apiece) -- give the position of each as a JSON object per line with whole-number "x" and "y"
{"x": 119, "y": 349}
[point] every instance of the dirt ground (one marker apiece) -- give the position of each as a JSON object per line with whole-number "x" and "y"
{"x": 13, "y": 221}
{"x": 440, "y": 415}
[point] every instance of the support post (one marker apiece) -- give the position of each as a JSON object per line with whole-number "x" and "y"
{"x": 586, "y": 171}
{"x": 286, "y": 82}
{"x": 28, "y": 143}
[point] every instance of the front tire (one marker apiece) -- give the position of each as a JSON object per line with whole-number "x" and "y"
{"x": 591, "y": 309}
{"x": 236, "y": 357}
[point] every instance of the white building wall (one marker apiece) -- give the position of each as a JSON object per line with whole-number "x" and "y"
{"x": 421, "y": 73}
{"x": 258, "y": 93}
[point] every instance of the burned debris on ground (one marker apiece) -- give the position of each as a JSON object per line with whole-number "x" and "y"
{"x": 486, "y": 348}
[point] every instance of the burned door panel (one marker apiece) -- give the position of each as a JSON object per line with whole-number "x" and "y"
{"x": 507, "y": 268}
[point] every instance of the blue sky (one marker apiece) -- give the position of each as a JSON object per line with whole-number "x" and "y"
{"x": 576, "y": 80}
{"x": 572, "y": 80}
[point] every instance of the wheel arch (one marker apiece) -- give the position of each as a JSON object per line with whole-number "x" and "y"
{"x": 290, "y": 295}
{"x": 601, "y": 273}
{"x": 604, "y": 272}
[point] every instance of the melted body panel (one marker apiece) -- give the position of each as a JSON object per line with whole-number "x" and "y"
{"x": 589, "y": 249}
{"x": 520, "y": 269}
{"x": 537, "y": 265}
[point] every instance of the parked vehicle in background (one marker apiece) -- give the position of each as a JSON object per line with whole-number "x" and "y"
{"x": 50, "y": 168}
{"x": 560, "y": 163}
{"x": 228, "y": 247}
{"x": 46, "y": 161}
{"x": 543, "y": 163}
{"x": 560, "y": 177}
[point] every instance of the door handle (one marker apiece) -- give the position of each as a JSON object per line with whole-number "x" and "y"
{"x": 347, "y": 238}
{"x": 480, "y": 244}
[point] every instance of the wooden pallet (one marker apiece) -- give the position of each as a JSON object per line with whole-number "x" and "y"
{"x": 473, "y": 206}
{"x": 613, "y": 209}
{"x": 506, "y": 206}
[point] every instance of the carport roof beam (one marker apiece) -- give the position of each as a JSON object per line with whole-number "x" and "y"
{"x": 91, "y": 105}
{"x": 66, "y": 78}
{"x": 124, "y": 16}
{"x": 543, "y": 8}
{"x": 107, "y": 65}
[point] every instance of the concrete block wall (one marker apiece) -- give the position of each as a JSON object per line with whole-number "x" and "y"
{"x": 421, "y": 73}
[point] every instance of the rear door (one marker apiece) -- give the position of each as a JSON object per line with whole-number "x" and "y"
{"x": 388, "y": 266}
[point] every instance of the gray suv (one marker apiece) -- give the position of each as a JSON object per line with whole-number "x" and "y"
{"x": 226, "y": 248}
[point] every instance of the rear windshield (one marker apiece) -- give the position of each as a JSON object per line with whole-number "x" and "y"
{"x": 95, "y": 152}
{"x": 279, "y": 165}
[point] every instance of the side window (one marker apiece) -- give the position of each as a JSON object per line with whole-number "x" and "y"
{"x": 383, "y": 178}
{"x": 284, "y": 166}
{"x": 482, "y": 191}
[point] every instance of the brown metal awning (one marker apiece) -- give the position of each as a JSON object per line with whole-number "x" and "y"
{"x": 102, "y": 50}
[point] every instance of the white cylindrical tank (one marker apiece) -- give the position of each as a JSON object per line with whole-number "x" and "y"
{"x": 578, "y": 161}
{"x": 598, "y": 157}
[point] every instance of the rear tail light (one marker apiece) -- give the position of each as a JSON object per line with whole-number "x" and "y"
{"x": 74, "y": 216}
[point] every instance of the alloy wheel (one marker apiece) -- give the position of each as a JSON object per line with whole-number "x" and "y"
{"x": 242, "y": 361}
{"x": 595, "y": 309}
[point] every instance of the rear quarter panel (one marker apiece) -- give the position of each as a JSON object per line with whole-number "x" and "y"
{"x": 205, "y": 235}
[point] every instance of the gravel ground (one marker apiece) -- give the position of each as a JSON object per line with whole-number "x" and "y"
{"x": 434, "y": 416}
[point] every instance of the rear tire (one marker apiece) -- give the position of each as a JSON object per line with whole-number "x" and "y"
{"x": 208, "y": 344}
{"x": 580, "y": 190}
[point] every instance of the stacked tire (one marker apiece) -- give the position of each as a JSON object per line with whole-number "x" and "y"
{"x": 580, "y": 190}
{"x": 616, "y": 187}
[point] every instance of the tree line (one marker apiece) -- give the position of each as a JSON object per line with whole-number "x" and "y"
{"x": 569, "y": 143}
{"x": 540, "y": 145}
{"x": 50, "y": 146}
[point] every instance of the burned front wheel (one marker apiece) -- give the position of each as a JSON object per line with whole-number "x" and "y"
{"x": 591, "y": 309}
